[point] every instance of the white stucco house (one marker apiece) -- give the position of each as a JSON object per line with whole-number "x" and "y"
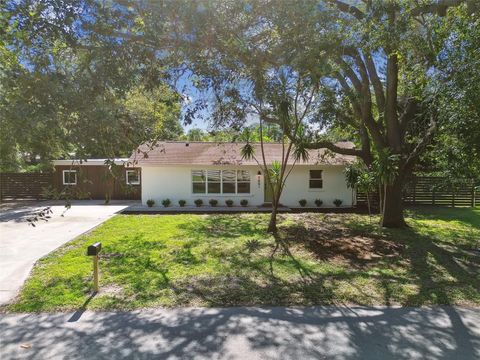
{"x": 211, "y": 170}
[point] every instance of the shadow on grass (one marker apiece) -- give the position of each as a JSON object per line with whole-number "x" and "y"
{"x": 445, "y": 275}
{"x": 314, "y": 259}
{"x": 373, "y": 266}
{"x": 354, "y": 243}
{"x": 226, "y": 226}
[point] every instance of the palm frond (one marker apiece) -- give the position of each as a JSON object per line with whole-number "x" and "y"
{"x": 300, "y": 152}
{"x": 247, "y": 151}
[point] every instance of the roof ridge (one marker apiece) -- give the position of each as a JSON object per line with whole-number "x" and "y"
{"x": 213, "y": 142}
{"x": 232, "y": 142}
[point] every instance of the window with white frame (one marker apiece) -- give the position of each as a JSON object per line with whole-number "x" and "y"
{"x": 133, "y": 177}
{"x": 220, "y": 182}
{"x": 214, "y": 182}
{"x": 199, "y": 181}
{"x": 69, "y": 177}
{"x": 229, "y": 181}
{"x": 243, "y": 182}
{"x": 316, "y": 181}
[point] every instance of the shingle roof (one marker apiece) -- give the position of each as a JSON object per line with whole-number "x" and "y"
{"x": 214, "y": 153}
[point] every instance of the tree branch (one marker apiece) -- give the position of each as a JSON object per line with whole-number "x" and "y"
{"x": 365, "y": 140}
{"x": 375, "y": 127}
{"x": 337, "y": 149}
{"x": 377, "y": 84}
{"x": 351, "y": 96}
{"x": 439, "y": 7}
{"x": 347, "y": 8}
{"x": 362, "y": 110}
{"x": 391, "y": 115}
{"x": 423, "y": 143}
{"x": 350, "y": 74}
{"x": 408, "y": 114}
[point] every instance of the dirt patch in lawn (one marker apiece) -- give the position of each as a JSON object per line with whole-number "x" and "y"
{"x": 328, "y": 237}
{"x": 112, "y": 290}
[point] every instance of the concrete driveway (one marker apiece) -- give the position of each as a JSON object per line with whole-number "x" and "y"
{"x": 21, "y": 244}
{"x": 330, "y": 332}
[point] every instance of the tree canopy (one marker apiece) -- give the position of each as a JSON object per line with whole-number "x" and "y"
{"x": 65, "y": 89}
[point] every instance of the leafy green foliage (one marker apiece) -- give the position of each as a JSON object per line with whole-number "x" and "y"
{"x": 271, "y": 133}
{"x": 386, "y": 167}
{"x": 456, "y": 150}
{"x": 69, "y": 87}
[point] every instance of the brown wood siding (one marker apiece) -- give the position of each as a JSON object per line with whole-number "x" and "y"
{"x": 96, "y": 181}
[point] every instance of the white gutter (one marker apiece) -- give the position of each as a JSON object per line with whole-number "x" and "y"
{"x": 89, "y": 162}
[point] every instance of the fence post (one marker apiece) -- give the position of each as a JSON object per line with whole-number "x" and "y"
{"x": 474, "y": 195}
{"x": 414, "y": 191}
{"x": 433, "y": 196}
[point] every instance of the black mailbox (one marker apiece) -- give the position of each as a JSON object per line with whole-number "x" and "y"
{"x": 94, "y": 250}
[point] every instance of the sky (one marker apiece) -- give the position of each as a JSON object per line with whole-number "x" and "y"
{"x": 191, "y": 94}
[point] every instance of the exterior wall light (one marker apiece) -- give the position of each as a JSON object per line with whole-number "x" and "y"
{"x": 259, "y": 177}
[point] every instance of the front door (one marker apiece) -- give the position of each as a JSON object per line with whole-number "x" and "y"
{"x": 268, "y": 192}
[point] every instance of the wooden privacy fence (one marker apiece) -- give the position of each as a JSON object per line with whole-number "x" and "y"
{"x": 24, "y": 185}
{"x": 440, "y": 191}
{"x": 431, "y": 190}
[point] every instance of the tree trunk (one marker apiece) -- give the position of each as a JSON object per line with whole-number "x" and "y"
{"x": 368, "y": 204}
{"x": 272, "y": 225}
{"x": 380, "y": 199}
{"x": 393, "y": 205}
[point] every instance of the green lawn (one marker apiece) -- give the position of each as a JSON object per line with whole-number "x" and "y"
{"x": 227, "y": 260}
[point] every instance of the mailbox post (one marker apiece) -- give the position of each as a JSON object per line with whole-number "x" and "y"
{"x": 94, "y": 251}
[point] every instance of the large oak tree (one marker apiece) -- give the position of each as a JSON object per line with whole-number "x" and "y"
{"x": 383, "y": 79}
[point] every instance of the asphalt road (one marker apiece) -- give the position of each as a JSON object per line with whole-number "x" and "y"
{"x": 246, "y": 333}
{"x": 21, "y": 244}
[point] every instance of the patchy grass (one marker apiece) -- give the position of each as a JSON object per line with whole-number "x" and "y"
{"x": 227, "y": 260}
